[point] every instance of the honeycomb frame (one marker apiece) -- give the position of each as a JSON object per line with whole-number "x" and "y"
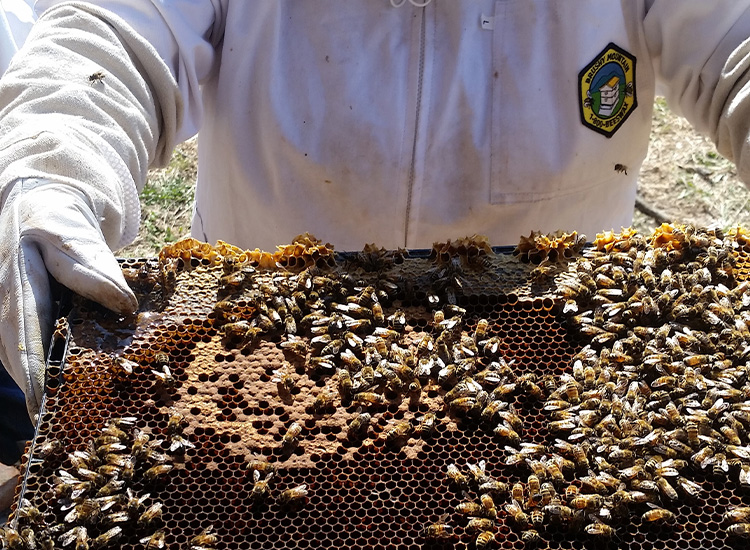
{"x": 371, "y": 492}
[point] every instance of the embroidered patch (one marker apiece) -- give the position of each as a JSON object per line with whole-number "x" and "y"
{"x": 606, "y": 90}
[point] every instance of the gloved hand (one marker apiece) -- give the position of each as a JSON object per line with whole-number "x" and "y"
{"x": 48, "y": 227}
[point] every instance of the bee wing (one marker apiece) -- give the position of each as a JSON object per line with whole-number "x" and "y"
{"x": 69, "y": 536}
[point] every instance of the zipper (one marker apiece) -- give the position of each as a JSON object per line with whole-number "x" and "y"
{"x": 412, "y": 165}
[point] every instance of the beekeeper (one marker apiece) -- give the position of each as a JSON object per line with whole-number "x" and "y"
{"x": 395, "y": 121}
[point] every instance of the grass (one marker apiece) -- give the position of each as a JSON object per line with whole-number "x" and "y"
{"x": 166, "y": 204}
{"x": 683, "y": 176}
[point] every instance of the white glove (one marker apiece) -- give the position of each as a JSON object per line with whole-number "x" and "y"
{"x": 48, "y": 227}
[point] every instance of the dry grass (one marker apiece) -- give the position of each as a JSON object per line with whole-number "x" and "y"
{"x": 686, "y": 178}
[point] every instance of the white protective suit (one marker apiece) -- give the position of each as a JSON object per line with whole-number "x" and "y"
{"x": 16, "y": 18}
{"x": 363, "y": 122}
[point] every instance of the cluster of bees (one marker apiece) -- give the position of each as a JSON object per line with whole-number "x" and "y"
{"x": 336, "y": 324}
{"x": 661, "y": 390}
{"x": 96, "y": 501}
{"x": 305, "y": 251}
{"x": 263, "y": 473}
{"x": 539, "y": 248}
{"x": 469, "y": 250}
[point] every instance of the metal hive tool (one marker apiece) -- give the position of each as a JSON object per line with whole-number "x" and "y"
{"x": 244, "y": 435}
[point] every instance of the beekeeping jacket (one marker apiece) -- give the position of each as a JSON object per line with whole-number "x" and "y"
{"x": 361, "y": 121}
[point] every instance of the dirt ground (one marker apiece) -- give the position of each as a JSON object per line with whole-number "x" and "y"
{"x": 687, "y": 180}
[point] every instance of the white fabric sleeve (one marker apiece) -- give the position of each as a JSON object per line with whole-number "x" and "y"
{"x": 16, "y": 18}
{"x": 701, "y": 57}
{"x": 59, "y": 123}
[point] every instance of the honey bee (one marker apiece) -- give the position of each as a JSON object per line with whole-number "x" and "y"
{"x": 737, "y": 514}
{"x": 290, "y": 324}
{"x": 492, "y": 408}
{"x": 29, "y": 513}
{"x": 78, "y": 534}
{"x": 122, "y": 367}
{"x": 134, "y": 504}
{"x": 294, "y": 496}
{"x": 96, "y": 77}
{"x": 438, "y": 531}
{"x": 156, "y": 541}
{"x": 175, "y": 422}
{"x": 600, "y": 530}
{"x": 520, "y": 518}
{"x": 484, "y": 538}
{"x": 587, "y": 502}
{"x": 290, "y": 440}
{"x": 739, "y": 530}
{"x": 731, "y": 435}
{"x": 488, "y": 503}
{"x": 593, "y": 484}
{"x": 156, "y": 472}
{"x": 456, "y": 477}
{"x": 151, "y": 515}
{"x": 535, "y": 490}
{"x": 114, "y": 485}
{"x": 646, "y": 485}
{"x": 658, "y": 515}
{"x": 323, "y": 402}
{"x": 531, "y": 538}
{"x": 580, "y": 458}
{"x": 139, "y": 448}
{"x": 565, "y": 425}
{"x": 720, "y": 466}
{"x": 478, "y": 472}
{"x": 165, "y": 378}
{"x": 666, "y": 488}
{"x": 284, "y": 380}
{"x": 528, "y": 384}
{"x": 558, "y": 512}
{"x": 477, "y": 525}
{"x": 261, "y": 488}
{"x": 425, "y": 346}
{"x": 472, "y": 509}
{"x": 507, "y": 434}
{"x": 177, "y": 444}
{"x": 50, "y": 447}
{"x": 511, "y": 417}
{"x": 493, "y": 486}
{"x": 87, "y": 511}
{"x": 427, "y": 425}
{"x": 261, "y": 465}
{"x": 297, "y": 346}
{"x": 369, "y": 398}
{"x": 744, "y": 476}
{"x": 480, "y": 332}
{"x": 204, "y": 540}
{"x": 703, "y": 457}
{"x": 536, "y": 515}
{"x": 462, "y": 404}
{"x": 571, "y": 492}
{"x": 397, "y": 320}
{"x": 359, "y": 425}
{"x": 400, "y": 432}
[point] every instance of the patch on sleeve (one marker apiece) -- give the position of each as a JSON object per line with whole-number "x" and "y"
{"x": 606, "y": 90}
